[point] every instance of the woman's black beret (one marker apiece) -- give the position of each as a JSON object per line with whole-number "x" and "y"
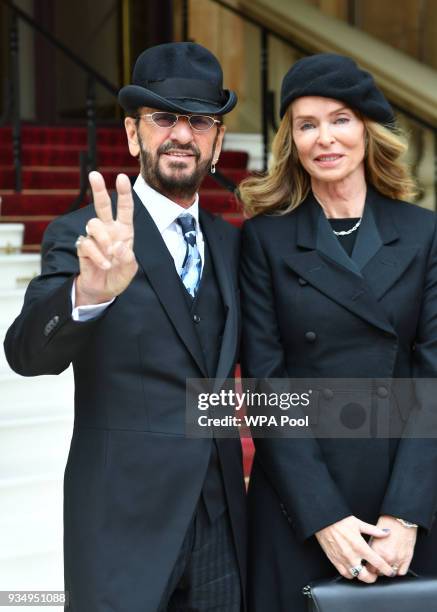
{"x": 338, "y": 77}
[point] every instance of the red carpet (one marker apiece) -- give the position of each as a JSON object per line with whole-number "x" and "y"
{"x": 65, "y": 177}
{"x": 51, "y": 178}
{"x": 51, "y": 175}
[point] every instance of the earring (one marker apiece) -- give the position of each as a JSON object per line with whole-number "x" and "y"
{"x": 213, "y": 167}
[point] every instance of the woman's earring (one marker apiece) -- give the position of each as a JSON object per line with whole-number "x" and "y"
{"x": 213, "y": 167}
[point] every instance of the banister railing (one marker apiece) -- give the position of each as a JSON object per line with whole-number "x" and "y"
{"x": 55, "y": 42}
{"x": 267, "y": 106}
{"x": 88, "y": 158}
{"x": 267, "y": 95}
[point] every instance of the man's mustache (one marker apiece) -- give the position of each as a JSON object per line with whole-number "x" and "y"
{"x": 173, "y": 146}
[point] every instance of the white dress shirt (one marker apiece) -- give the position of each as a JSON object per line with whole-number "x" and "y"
{"x": 164, "y": 213}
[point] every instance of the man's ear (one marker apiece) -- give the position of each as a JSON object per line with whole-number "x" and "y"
{"x": 132, "y": 136}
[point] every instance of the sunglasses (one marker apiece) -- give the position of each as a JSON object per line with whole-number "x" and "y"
{"x": 198, "y": 123}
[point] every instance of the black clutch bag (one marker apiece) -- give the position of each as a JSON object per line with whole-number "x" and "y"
{"x": 409, "y": 593}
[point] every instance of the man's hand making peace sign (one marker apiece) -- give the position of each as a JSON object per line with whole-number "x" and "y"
{"x": 106, "y": 258}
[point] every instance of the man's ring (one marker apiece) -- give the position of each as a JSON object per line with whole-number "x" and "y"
{"x": 395, "y": 569}
{"x": 356, "y": 570}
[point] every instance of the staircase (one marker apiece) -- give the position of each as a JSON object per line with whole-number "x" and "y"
{"x": 36, "y": 418}
{"x": 51, "y": 178}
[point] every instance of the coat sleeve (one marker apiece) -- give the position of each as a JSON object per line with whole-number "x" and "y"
{"x": 295, "y": 467}
{"x": 412, "y": 490}
{"x": 44, "y": 339}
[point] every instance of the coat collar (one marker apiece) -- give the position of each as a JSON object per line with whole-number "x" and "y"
{"x": 378, "y": 227}
{"x": 380, "y": 251}
{"x": 378, "y": 260}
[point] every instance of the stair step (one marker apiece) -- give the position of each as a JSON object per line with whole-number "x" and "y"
{"x": 17, "y": 270}
{"x": 117, "y": 155}
{"x": 36, "y": 501}
{"x": 19, "y": 208}
{"x": 31, "y": 491}
{"x": 17, "y": 457}
{"x": 4, "y": 366}
{"x": 34, "y": 571}
{"x": 74, "y": 135}
{"x": 51, "y": 179}
{"x": 26, "y": 399}
{"x": 36, "y": 226}
{"x": 11, "y": 301}
{"x": 45, "y": 191}
{"x": 31, "y": 248}
{"x": 36, "y": 533}
{"x": 34, "y": 443}
{"x": 11, "y": 237}
{"x": 32, "y": 397}
{"x": 44, "y": 177}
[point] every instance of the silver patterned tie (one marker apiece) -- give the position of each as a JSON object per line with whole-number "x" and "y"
{"x": 192, "y": 267}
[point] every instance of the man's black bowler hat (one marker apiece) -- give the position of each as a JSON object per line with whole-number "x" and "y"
{"x": 181, "y": 77}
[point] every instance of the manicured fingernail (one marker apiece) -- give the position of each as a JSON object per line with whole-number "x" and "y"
{"x": 386, "y": 530}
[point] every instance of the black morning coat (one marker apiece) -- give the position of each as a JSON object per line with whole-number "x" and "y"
{"x": 132, "y": 479}
{"x": 310, "y": 311}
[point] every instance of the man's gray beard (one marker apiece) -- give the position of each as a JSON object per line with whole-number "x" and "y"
{"x": 185, "y": 186}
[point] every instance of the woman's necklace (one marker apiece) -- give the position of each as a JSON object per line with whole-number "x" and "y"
{"x": 349, "y": 231}
{"x": 343, "y": 232}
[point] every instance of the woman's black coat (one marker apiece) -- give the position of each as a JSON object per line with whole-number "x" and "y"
{"x": 310, "y": 311}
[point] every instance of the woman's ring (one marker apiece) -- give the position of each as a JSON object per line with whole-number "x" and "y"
{"x": 356, "y": 570}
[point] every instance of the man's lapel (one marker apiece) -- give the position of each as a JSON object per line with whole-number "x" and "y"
{"x": 158, "y": 265}
{"x": 214, "y": 238}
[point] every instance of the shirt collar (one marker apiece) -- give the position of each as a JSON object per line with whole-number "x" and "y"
{"x": 163, "y": 211}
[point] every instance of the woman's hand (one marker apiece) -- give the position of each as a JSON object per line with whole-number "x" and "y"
{"x": 346, "y": 548}
{"x": 398, "y": 548}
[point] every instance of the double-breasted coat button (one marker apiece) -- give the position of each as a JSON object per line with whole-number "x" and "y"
{"x": 51, "y": 325}
{"x": 302, "y": 281}
{"x": 328, "y": 394}
{"x": 310, "y": 336}
{"x": 382, "y": 392}
{"x": 196, "y": 318}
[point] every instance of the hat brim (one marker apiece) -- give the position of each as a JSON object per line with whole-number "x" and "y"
{"x": 132, "y": 97}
